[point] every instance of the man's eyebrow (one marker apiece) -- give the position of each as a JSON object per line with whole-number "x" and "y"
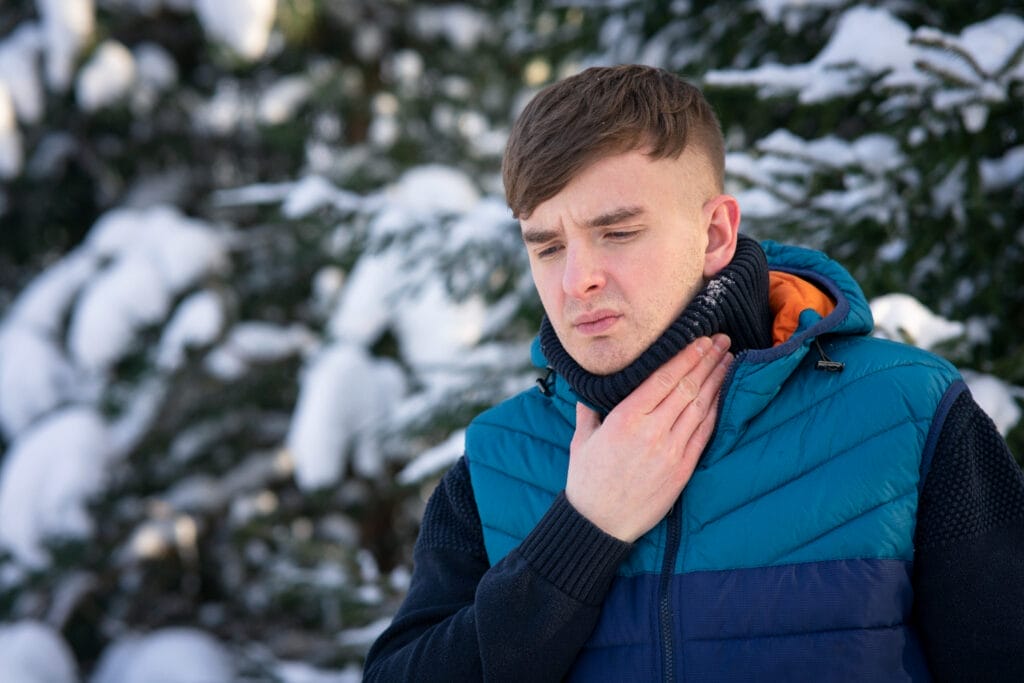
{"x": 603, "y": 220}
{"x": 614, "y": 216}
{"x": 539, "y": 235}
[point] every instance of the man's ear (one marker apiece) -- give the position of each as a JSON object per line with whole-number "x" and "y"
{"x": 723, "y": 216}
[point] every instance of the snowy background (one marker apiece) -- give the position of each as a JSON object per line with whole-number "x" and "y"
{"x": 256, "y": 274}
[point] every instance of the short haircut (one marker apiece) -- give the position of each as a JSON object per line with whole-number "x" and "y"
{"x": 600, "y": 112}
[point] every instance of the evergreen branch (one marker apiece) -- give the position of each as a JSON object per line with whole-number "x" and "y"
{"x": 944, "y": 44}
{"x": 944, "y": 74}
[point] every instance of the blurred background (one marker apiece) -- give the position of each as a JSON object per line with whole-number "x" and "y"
{"x": 257, "y": 273}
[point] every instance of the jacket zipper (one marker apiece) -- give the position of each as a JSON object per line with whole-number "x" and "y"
{"x": 674, "y": 532}
{"x": 672, "y": 543}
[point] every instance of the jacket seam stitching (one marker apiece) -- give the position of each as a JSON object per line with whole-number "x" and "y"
{"x": 840, "y": 390}
{"x": 954, "y": 392}
{"x": 835, "y": 456}
{"x": 798, "y": 634}
{"x": 844, "y": 523}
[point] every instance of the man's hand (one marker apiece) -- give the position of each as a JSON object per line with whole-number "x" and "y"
{"x": 625, "y": 473}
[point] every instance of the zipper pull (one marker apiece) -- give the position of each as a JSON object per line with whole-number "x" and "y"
{"x": 825, "y": 363}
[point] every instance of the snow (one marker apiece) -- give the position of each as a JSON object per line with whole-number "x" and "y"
{"x": 156, "y": 254}
{"x": 300, "y": 672}
{"x": 406, "y": 67}
{"x": 222, "y": 113}
{"x": 991, "y": 43}
{"x": 996, "y": 397}
{"x": 46, "y": 478}
{"x": 32, "y": 652}
{"x": 430, "y": 326}
{"x": 155, "y": 67}
{"x": 106, "y": 78}
{"x": 10, "y": 137}
{"x": 35, "y": 378}
{"x": 179, "y": 248}
{"x": 243, "y": 25}
{"x": 59, "y": 444}
{"x": 760, "y": 203}
{"x": 43, "y": 303}
{"x": 892, "y": 251}
{"x": 252, "y": 342}
{"x": 363, "y": 637}
{"x": 904, "y": 59}
{"x": 67, "y": 27}
{"x": 433, "y": 189}
{"x": 903, "y": 318}
{"x": 777, "y": 10}
{"x": 384, "y": 130}
{"x": 126, "y": 297}
{"x": 346, "y": 396}
{"x": 434, "y": 330}
{"x": 282, "y": 100}
{"x": 155, "y": 72}
{"x": 196, "y": 322}
{"x": 314, "y": 192}
{"x": 170, "y": 655}
{"x": 1002, "y": 173}
{"x": 434, "y": 460}
{"x": 18, "y": 71}
{"x": 463, "y": 26}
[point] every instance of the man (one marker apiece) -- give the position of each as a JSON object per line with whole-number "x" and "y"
{"x": 722, "y": 476}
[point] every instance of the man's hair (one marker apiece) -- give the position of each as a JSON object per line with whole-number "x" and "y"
{"x": 600, "y": 112}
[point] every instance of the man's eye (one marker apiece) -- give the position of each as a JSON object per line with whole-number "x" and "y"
{"x": 621, "y": 235}
{"x": 548, "y": 252}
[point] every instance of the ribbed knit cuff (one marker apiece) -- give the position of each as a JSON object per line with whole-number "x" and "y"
{"x": 573, "y": 554}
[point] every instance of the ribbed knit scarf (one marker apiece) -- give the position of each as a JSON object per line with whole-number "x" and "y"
{"x": 735, "y": 302}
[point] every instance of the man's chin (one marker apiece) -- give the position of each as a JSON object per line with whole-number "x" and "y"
{"x": 602, "y": 362}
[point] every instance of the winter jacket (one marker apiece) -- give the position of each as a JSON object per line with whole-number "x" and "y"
{"x": 790, "y": 554}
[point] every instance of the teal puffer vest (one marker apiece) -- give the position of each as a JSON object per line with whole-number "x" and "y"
{"x": 788, "y": 555}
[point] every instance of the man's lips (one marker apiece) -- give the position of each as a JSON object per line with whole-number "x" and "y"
{"x": 595, "y": 323}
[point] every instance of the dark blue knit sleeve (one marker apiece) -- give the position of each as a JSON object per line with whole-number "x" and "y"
{"x": 969, "y": 553}
{"x": 524, "y": 619}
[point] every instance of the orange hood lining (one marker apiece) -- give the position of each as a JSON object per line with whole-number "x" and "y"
{"x": 789, "y": 296}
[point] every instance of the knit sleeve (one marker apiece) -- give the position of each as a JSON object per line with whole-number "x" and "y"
{"x": 969, "y": 552}
{"x": 525, "y": 618}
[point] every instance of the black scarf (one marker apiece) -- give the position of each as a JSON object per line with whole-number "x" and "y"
{"x": 735, "y": 302}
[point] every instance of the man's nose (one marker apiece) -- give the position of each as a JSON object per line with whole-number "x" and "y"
{"x": 584, "y": 272}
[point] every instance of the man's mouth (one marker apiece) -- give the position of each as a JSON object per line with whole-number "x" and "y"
{"x": 598, "y": 322}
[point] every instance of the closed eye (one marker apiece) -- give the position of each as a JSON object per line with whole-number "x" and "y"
{"x": 548, "y": 251}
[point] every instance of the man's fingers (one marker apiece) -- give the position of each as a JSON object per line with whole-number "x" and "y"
{"x": 706, "y": 401}
{"x": 690, "y": 387}
{"x": 699, "y": 439}
{"x": 587, "y": 422}
{"x": 694, "y": 363}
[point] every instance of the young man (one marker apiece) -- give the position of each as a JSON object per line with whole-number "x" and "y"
{"x": 723, "y": 476}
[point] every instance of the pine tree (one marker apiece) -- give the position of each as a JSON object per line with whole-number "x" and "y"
{"x": 254, "y": 282}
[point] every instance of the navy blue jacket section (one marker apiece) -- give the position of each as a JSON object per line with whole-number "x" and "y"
{"x": 747, "y": 626}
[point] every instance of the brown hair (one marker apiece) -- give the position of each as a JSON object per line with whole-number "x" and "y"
{"x": 599, "y": 112}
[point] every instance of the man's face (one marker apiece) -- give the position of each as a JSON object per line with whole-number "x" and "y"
{"x": 619, "y": 252}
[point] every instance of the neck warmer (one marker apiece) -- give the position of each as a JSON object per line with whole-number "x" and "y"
{"x": 735, "y": 302}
